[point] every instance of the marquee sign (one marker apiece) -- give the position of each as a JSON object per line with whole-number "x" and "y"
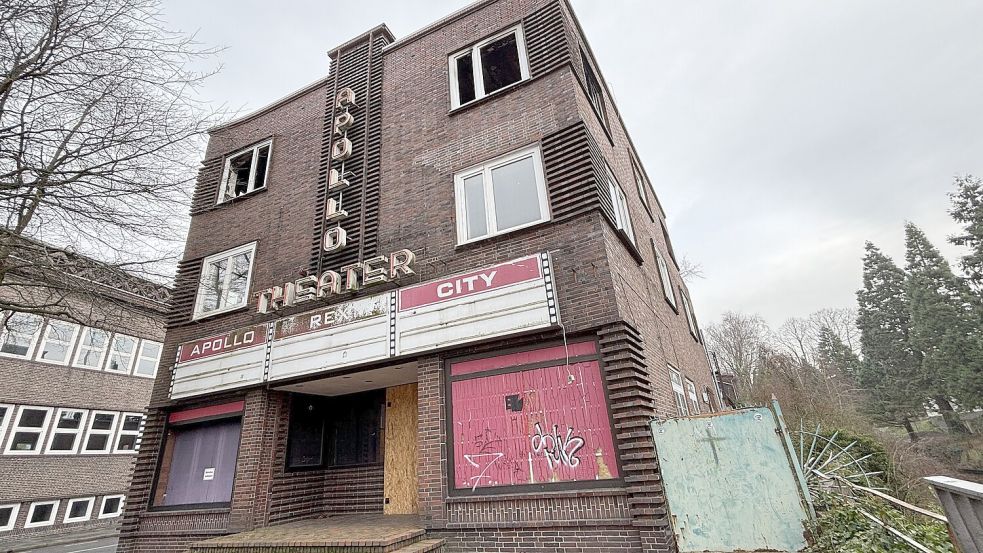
{"x": 503, "y": 299}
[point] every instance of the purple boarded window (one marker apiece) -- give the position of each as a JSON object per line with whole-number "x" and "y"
{"x": 202, "y": 463}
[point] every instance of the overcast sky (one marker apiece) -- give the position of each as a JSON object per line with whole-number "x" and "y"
{"x": 780, "y": 134}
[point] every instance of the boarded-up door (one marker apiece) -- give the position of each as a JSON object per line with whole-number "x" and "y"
{"x": 400, "y": 470}
{"x": 730, "y": 483}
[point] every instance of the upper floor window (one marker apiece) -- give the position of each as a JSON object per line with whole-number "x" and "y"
{"x": 29, "y": 428}
{"x": 690, "y": 316}
{"x": 8, "y": 516}
{"x": 491, "y": 65}
{"x": 224, "y": 284}
{"x": 99, "y": 436}
{"x": 641, "y": 185}
{"x": 665, "y": 234}
{"x": 148, "y": 359}
{"x": 693, "y": 399}
{"x": 92, "y": 348}
{"x": 59, "y": 338}
{"x": 664, "y": 277}
{"x": 121, "y": 353}
{"x": 677, "y": 392}
{"x": 619, "y": 202}
{"x": 505, "y": 194}
{"x": 245, "y": 171}
{"x": 18, "y": 334}
{"x": 67, "y": 431}
{"x": 594, "y": 91}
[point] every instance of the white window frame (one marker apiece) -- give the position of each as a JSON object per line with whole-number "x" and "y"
{"x": 690, "y": 316}
{"x": 120, "y": 433}
{"x": 76, "y": 362}
{"x": 141, "y": 357}
{"x": 4, "y": 331}
{"x": 485, "y": 170}
{"x": 640, "y": 185}
{"x": 619, "y": 202}
{"x": 199, "y": 295}
{"x": 479, "y": 81}
{"x": 109, "y": 354}
{"x": 676, "y": 381}
{"x": 70, "y": 345}
{"x": 89, "y": 431}
{"x": 30, "y": 513}
{"x": 102, "y": 506}
{"x": 14, "y": 511}
{"x": 88, "y": 512}
{"x": 55, "y": 430}
{"x": 693, "y": 397}
{"x": 667, "y": 290}
{"x": 15, "y": 427}
{"x": 7, "y": 417}
{"x": 251, "y": 186}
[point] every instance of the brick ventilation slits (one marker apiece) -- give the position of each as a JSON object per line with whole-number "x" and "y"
{"x": 206, "y": 190}
{"x": 182, "y": 302}
{"x": 546, "y": 42}
{"x": 574, "y": 168}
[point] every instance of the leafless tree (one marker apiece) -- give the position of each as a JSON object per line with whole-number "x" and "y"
{"x": 738, "y": 341}
{"x": 689, "y": 270}
{"x": 99, "y": 136}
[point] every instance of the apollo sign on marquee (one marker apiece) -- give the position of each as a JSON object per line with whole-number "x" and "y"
{"x": 503, "y": 299}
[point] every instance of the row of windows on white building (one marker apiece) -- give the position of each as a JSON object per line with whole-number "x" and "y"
{"x": 45, "y": 513}
{"x": 28, "y": 336}
{"x": 36, "y": 430}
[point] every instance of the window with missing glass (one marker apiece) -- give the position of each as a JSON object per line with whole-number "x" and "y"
{"x": 335, "y": 431}
{"x": 18, "y": 334}
{"x": 148, "y": 359}
{"x": 245, "y": 171}
{"x": 121, "y": 352}
{"x": 92, "y": 348}
{"x": 594, "y": 91}
{"x": 224, "y": 282}
{"x": 59, "y": 338}
{"x": 28, "y": 430}
{"x": 8, "y": 516}
{"x": 487, "y": 67}
{"x": 502, "y": 195}
{"x": 66, "y": 431}
{"x": 677, "y": 391}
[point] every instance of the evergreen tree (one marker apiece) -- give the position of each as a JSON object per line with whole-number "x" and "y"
{"x": 967, "y": 209}
{"x": 834, "y": 357}
{"x": 890, "y": 367}
{"x": 944, "y": 327}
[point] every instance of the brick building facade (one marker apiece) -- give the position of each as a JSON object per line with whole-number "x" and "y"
{"x": 75, "y": 389}
{"x": 437, "y": 282}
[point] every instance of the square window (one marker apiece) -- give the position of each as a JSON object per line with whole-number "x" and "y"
{"x": 41, "y": 513}
{"x": 66, "y": 431}
{"x": 8, "y": 516}
{"x": 594, "y": 91}
{"x": 693, "y": 399}
{"x": 505, "y": 194}
{"x": 29, "y": 428}
{"x": 79, "y": 510}
{"x": 667, "y": 290}
{"x": 199, "y": 463}
{"x": 677, "y": 391}
{"x": 619, "y": 203}
{"x": 59, "y": 337}
{"x": 128, "y": 439}
{"x": 245, "y": 171}
{"x": 18, "y": 334}
{"x": 121, "y": 353}
{"x": 112, "y": 506}
{"x": 487, "y": 67}
{"x": 148, "y": 359}
{"x": 92, "y": 348}
{"x": 99, "y": 437}
{"x": 224, "y": 282}
{"x": 337, "y": 431}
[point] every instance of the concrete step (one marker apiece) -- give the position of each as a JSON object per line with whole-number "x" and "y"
{"x": 424, "y": 546}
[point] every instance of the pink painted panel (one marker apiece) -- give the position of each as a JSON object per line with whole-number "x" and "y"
{"x": 469, "y": 284}
{"x": 241, "y": 338}
{"x": 557, "y": 353}
{"x": 532, "y": 427}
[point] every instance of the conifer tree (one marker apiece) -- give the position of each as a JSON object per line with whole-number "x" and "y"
{"x": 835, "y": 357}
{"x": 967, "y": 210}
{"x": 890, "y": 367}
{"x": 944, "y": 327}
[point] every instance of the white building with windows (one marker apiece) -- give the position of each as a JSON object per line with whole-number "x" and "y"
{"x": 75, "y": 388}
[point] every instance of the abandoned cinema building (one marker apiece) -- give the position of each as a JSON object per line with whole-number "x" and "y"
{"x": 74, "y": 385}
{"x": 435, "y": 286}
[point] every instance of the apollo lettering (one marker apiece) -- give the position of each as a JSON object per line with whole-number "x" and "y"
{"x": 223, "y": 343}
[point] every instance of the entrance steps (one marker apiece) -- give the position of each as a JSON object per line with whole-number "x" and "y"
{"x": 369, "y": 533}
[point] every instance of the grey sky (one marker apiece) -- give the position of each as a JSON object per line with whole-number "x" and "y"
{"x": 780, "y": 134}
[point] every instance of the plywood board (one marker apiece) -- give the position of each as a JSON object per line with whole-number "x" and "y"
{"x": 400, "y": 469}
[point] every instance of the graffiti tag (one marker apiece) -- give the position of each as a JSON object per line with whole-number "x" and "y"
{"x": 558, "y": 449}
{"x": 476, "y": 461}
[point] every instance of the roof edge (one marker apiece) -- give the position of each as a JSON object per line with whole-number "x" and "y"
{"x": 446, "y": 20}
{"x": 380, "y": 28}
{"x": 274, "y": 104}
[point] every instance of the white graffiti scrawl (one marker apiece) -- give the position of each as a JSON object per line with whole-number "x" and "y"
{"x": 558, "y": 449}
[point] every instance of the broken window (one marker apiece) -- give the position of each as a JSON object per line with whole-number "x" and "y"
{"x": 245, "y": 171}
{"x": 694, "y": 401}
{"x": 224, "y": 283}
{"x": 336, "y": 431}
{"x": 594, "y": 91}
{"x": 677, "y": 392}
{"x": 491, "y": 65}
